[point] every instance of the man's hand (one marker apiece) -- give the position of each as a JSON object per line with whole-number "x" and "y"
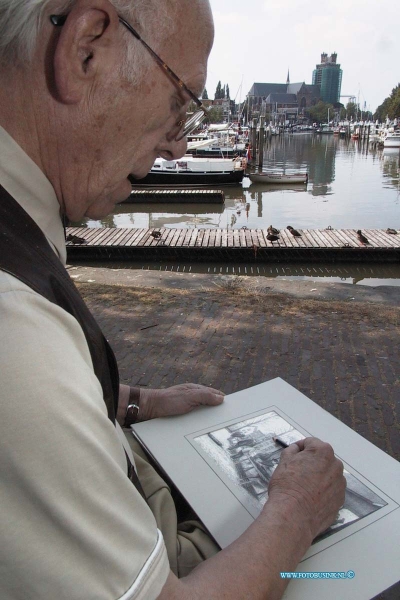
{"x": 176, "y": 400}
{"x": 310, "y": 473}
{"x": 305, "y": 494}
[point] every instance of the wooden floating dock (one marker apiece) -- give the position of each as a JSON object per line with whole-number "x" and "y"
{"x": 175, "y": 195}
{"x": 233, "y": 245}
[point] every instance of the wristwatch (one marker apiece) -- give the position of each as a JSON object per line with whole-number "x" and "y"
{"x": 132, "y": 410}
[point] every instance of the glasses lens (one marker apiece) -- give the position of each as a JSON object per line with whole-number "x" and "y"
{"x": 191, "y": 124}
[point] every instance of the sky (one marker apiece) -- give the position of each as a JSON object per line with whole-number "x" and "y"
{"x": 259, "y": 40}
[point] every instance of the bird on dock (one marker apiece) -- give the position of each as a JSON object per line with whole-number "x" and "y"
{"x": 273, "y": 230}
{"x": 75, "y": 239}
{"x": 272, "y": 237}
{"x": 391, "y": 231}
{"x": 244, "y": 227}
{"x": 156, "y": 234}
{"x": 329, "y": 228}
{"x": 362, "y": 238}
{"x": 293, "y": 231}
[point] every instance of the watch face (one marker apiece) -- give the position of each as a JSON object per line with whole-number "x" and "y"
{"x": 131, "y": 416}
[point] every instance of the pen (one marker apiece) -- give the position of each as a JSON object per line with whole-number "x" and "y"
{"x": 280, "y": 441}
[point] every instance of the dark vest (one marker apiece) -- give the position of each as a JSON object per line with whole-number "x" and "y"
{"x": 25, "y": 253}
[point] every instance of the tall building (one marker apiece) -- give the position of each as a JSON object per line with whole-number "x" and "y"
{"x": 328, "y": 75}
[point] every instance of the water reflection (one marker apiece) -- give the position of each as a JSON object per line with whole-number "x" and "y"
{"x": 366, "y": 274}
{"x": 314, "y": 154}
{"x": 162, "y": 215}
{"x": 390, "y": 166}
{"x": 352, "y": 185}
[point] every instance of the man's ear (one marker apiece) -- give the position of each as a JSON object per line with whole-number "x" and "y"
{"x": 85, "y": 49}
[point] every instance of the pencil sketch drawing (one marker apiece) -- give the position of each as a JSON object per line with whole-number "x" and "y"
{"x": 245, "y": 456}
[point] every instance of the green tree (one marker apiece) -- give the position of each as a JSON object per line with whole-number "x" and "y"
{"x": 352, "y": 110}
{"x": 390, "y": 107}
{"x": 394, "y": 105}
{"x": 227, "y": 91}
{"x": 218, "y": 91}
{"x": 205, "y": 94}
{"x": 349, "y": 111}
{"x": 319, "y": 112}
{"x": 382, "y": 110}
{"x": 215, "y": 115}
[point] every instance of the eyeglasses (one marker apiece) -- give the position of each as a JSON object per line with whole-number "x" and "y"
{"x": 185, "y": 126}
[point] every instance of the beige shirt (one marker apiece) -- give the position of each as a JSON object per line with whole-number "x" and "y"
{"x": 72, "y": 525}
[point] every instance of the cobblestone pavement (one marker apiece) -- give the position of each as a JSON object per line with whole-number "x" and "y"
{"x": 344, "y": 356}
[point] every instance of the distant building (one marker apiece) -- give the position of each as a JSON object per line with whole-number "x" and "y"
{"x": 328, "y": 75}
{"x": 225, "y": 104}
{"x": 278, "y": 99}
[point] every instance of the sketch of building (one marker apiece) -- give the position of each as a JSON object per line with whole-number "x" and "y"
{"x": 246, "y": 455}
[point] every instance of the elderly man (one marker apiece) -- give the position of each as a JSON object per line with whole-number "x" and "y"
{"x": 86, "y": 101}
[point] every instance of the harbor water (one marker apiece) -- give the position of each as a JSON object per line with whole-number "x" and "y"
{"x": 351, "y": 186}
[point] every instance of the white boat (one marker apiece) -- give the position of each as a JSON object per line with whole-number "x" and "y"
{"x": 200, "y": 142}
{"x": 278, "y": 177}
{"x": 215, "y": 146}
{"x": 325, "y": 128}
{"x": 392, "y": 140}
{"x": 193, "y": 172}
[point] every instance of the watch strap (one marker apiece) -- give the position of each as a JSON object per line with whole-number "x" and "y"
{"x": 132, "y": 410}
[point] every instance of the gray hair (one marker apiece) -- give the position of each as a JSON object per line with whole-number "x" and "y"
{"x": 21, "y": 21}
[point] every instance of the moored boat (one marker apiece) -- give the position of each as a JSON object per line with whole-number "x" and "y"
{"x": 392, "y": 140}
{"x": 191, "y": 171}
{"x": 219, "y": 144}
{"x": 325, "y": 128}
{"x": 214, "y": 149}
{"x": 278, "y": 177}
{"x": 219, "y": 151}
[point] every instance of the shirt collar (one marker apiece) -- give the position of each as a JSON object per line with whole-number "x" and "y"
{"x": 28, "y": 185}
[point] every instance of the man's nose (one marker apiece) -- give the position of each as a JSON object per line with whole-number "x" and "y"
{"x": 171, "y": 149}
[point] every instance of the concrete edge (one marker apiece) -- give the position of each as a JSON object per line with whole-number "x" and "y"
{"x": 307, "y": 289}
